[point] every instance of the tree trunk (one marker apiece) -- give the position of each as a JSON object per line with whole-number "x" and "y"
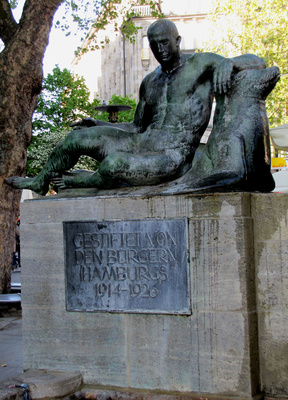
{"x": 20, "y": 84}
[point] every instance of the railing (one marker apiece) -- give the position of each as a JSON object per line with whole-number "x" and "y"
{"x": 196, "y": 7}
{"x": 193, "y": 7}
{"x": 143, "y": 11}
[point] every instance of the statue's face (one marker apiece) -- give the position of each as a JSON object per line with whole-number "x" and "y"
{"x": 165, "y": 46}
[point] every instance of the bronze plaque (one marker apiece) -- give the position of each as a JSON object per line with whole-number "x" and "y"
{"x": 137, "y": 266}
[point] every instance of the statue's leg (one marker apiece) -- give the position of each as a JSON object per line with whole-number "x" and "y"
{"x": 132, "y": 169}
{"x": 95, "y": 142}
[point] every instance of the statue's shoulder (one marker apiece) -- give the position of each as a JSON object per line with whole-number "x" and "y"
{"x": 187, "y": 57}
{"x": 202, "y": 57}
{"x": 153, "y": 74}
{"x": 148, "y": 81}
{"x": 193, "y": 59}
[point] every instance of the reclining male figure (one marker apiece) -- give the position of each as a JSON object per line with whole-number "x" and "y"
{"x": 172, "y": 115}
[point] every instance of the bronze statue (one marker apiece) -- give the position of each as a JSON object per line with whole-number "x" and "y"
{"x": 171, "y": 117}
{"x": 237, "y": 154}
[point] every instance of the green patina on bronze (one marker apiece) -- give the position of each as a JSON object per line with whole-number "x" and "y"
{"x": 172, "y": 114}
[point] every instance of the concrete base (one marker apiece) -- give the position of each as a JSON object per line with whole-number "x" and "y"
{"x": 270, "y": 218}
{"x": 212, "y": 352}
{"x": 43, "y": 384}
{"x": 98, "y": 394}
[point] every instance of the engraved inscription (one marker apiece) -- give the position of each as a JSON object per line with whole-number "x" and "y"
{"x": 127, "y": 266}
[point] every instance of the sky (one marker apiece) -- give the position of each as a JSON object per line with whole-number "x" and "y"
{"x": 60, "y": 49}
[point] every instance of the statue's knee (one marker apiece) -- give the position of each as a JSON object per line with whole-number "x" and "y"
{"x": 72, "y": 143}
{"x": 72, "y": 136}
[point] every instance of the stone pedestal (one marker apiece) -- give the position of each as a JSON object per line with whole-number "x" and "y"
{"x": 270, "y": 218}
{"x": 213, "y": 351}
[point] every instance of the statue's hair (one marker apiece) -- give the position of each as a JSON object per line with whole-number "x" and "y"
{"x": 166, "y": 24}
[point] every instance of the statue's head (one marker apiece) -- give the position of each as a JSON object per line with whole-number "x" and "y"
{"x": 164, "y": 41}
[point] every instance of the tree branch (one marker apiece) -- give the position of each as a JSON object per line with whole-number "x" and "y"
{"x": 8, "y": 25}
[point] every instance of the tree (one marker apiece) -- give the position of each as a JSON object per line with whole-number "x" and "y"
{"x": 259, "y": 27}
{"x": 20, "y": 85}
{"x": 63, "y": 100}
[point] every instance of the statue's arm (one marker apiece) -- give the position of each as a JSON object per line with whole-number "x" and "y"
{"x": 143, "y": 114}
{"x": 224, "y": 67}
{"x": 138, "y": 125}
{"x": 247, "y": 61}
{"x": 142, "y": 118}
{"x": 88, "y": 122}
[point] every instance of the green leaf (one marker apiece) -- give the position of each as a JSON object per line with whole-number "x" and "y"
{"x": 258, "y": 27}
{"x": 65, "y": 99}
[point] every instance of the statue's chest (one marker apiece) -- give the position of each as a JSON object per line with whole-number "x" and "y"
{"x": 181, "y": 86}
{"x": 164, "y": 90}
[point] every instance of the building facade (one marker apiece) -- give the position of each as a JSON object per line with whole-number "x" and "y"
{"x": 120, "y": 66}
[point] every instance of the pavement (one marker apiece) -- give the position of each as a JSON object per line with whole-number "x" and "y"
{"x": 11, "y": 357}
{"x": 41, "y": 383}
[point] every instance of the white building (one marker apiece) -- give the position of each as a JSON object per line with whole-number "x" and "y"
{"x": 120, "y": 66}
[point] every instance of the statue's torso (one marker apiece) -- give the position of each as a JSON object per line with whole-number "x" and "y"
{"x": 179, "y": 104}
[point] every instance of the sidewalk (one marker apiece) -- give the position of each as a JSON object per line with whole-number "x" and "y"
{"x": 11, "y": 358}
{"x": 41, "y": 383}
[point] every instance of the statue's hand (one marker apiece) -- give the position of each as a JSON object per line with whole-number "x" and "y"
{"x": 222, "y": 76}
{"x": 84, "y": 123}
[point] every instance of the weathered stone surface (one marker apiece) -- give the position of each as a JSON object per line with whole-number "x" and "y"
{"x": 43, "y": 384}
{"x": 270, "y": 214}
{"x": 11, "y": 394}
{"x": 212, "y": 351}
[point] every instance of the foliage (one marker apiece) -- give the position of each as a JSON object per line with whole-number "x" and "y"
{"x": 100, "y": 12}
{"x": 64, "y": 99}
{"x": 123, "y": 116}
{"x": 258, "y": 27}
{"x": 92, "y": 16}
{"x": 13, "y": 3}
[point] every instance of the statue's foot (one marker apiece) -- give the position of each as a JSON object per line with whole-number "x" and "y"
{"x": 61, "y": 182}
{"x": 73, "y": 179}
{"x": 34, "y": 184}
